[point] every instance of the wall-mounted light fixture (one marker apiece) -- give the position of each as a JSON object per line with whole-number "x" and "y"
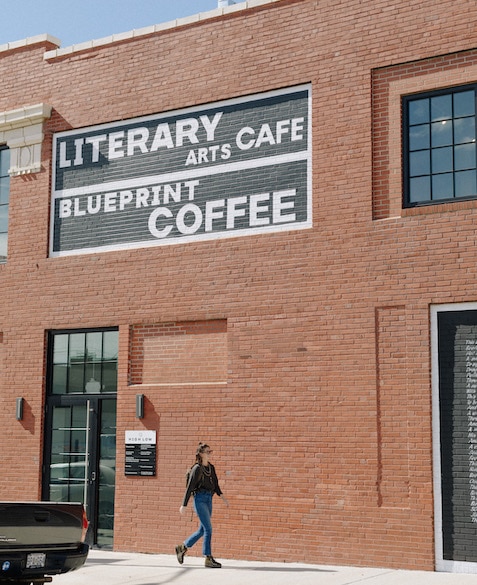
{"x": 139, "y": 405}
{"x": 19, "y": 409}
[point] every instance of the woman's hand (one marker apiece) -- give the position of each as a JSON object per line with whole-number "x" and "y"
{"x": 182, "y": 509}
{"x": 226, "y": 502}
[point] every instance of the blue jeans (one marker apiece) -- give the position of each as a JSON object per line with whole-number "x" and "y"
{"x": 203, "y": 509}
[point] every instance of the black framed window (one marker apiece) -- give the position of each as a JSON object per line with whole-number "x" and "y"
{"x": 4, "y": 201}
{"x": 84, "y": 362}
{"x": 439, "y": 140}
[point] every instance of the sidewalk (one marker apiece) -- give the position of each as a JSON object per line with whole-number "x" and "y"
{"x": 112, "y": 568}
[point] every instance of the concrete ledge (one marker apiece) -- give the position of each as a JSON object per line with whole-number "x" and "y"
{"x": 30, "y": 41}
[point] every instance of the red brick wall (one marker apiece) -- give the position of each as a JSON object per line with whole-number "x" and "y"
{"x": 316, "y": 414}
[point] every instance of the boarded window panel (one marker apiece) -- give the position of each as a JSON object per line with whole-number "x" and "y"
{"x": 179, "y": 353}
{"x": 186, "y": 359}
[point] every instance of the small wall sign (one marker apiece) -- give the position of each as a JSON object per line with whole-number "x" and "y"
{"x": 140, "y": 453}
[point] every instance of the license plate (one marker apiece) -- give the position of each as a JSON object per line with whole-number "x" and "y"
{"x": 35, "y": 560}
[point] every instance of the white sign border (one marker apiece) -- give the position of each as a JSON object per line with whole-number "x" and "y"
{"x": 169, "y": 177}
{"x": 441, "y": 563}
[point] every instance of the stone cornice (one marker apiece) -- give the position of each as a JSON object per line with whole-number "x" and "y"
{"x": 22, "y": 131}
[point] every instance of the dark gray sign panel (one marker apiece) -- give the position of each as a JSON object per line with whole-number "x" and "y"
{"x": 227, "y": 169}
{"x": 457, "y": 339}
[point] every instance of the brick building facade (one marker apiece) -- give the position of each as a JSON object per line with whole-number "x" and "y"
{"x": 261, "y": 220}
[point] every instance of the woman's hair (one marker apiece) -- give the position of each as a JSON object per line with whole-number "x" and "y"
{"x": 200, "y": 449}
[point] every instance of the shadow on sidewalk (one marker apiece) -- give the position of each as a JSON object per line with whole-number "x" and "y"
{"x": 282, "y": 569}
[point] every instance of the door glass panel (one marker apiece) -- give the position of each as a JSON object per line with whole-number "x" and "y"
{"x": 68, "y": 453}
{"x": 110, "y": 377}
{"x": 107, "y": 473}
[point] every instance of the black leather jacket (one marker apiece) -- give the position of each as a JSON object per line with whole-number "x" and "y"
{"x": 201, "y": 478}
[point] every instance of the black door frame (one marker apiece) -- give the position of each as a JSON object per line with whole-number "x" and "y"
{"x": 93, "y": 402}
{"x": 93, "y": 447}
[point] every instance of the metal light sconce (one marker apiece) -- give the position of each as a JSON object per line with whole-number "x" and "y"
{"x": 19, "y": 409}
{"x": 139, "y": 405}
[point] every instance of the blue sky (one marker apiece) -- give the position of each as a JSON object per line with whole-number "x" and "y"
{"x": 73, "y": 21}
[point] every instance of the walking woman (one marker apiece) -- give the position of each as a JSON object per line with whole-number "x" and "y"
{"x": 202, "y": 484}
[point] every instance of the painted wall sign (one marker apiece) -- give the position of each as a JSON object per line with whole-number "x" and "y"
{"x": 227, "y": 169}
{"x": 457, "y": 338}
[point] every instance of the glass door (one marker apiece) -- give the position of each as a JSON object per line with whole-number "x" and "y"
{"x": 81, "y": 460}
{"x": 80, "y": 427}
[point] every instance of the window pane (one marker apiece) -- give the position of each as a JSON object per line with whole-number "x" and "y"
{"x": 60, "y": 350}
{"x": 4, "y": 162}
{"x": 419, "y": 163}
{"x": 419, "y": 137}
{"x": 94, "y": 346}
{"x": 464, "y": 130}
{"x": 4, "y": 190}
{"x": 441, "y": 107}
{"x": 420, "y": 189}
{"x": 3, "y": 247}
{"x": 92, "y": 374}
{"x": 59, "y": 379}
{"x": 419, "y": 111}
{"x": 3, "y": 218}
{"x": 76, "y": 382}
{"x": 443, "y": 186}
{"x": 464, "y": 157}
{"x": 442, "y": 160}
{"x": 4, "y": 198}
{"x": 465, "y": 184}
{"x": 441, "y": 133}
{"x": 464, "y": 104}
{"x": 77, "y": 347}
{"x": 110, "y": 345}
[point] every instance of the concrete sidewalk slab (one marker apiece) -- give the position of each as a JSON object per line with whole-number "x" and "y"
{"x": 113, "y": 568}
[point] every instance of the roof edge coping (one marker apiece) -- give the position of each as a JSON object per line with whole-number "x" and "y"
{"x": 30, "y": 41}
{"x": 148, "y": 30}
